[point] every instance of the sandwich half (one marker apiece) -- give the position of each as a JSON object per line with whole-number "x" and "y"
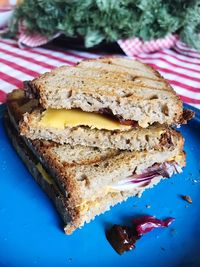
{"x": 106, "y": 103}
{"x": 85, "y": 181}
{"x": 124, "y": 88}
{"x": 98, "y": 131}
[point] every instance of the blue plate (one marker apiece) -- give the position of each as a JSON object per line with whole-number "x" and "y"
{"x": 31, "y": 233}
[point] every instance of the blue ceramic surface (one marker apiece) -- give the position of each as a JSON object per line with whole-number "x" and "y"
{"x": 31, "y": 232}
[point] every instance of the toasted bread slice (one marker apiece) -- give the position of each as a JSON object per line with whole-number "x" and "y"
{"x": 130, "y": 89}
{"x": 137, "y": 138}
{"x": 86, "y": 181}
{"x": 153, "y": 137}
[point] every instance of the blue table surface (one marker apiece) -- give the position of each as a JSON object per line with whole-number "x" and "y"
{"x": 31, "y": 232}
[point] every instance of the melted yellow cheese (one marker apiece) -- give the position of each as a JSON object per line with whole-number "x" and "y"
{"x": 86, "y": 205}
{"x": 61, "y": 118}
{"x": 94, "y": 201}
{"x": 44, "y": 174}
{"x": 176, "y": 158}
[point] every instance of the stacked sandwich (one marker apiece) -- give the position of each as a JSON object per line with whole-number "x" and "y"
{"x": 97, "y": 133}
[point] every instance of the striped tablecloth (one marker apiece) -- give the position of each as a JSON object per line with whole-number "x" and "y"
{"x": 180, "y": 66}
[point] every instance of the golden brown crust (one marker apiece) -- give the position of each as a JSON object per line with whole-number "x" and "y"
{"x": 18, "y": 103}
{"x": 186, "y": 116}
{"x": 63, "y": 176}
{"x": 168, "y": 137}
{"x": 64, "y": 205}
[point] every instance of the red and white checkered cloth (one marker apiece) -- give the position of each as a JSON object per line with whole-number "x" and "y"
{"x": 33, "y": 40}
{"x": 132, "y": 46}
{"x": 180, "y": 66}
{"x": 135, "y": 46}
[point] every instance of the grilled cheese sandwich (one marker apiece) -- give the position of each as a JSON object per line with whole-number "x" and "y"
{"x": 113, "y": 103}
{"x": 97, "y": 133}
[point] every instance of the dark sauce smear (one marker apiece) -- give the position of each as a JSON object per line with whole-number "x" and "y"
{"x": 123, "y": 238}
{"x": 108, "y": 112}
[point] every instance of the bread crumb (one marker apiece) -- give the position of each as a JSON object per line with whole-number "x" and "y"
{"x": 187, "y": 198}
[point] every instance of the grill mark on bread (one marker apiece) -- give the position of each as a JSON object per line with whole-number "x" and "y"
{"x": 92, "y": 84}
{"x": 112, "y": 61}
{"x": 133, "y": 100}
{"x": 97, "y": 74}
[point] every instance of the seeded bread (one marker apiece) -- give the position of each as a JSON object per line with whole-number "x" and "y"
{"x": 129, "y": 88}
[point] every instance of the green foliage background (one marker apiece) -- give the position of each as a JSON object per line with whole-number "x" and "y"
{"x": 110, "y": 20}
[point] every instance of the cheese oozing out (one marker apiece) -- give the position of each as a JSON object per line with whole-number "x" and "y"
{"x": 61, "y": 118}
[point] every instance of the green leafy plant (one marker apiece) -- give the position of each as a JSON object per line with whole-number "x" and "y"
{"x": 111, "y": 20}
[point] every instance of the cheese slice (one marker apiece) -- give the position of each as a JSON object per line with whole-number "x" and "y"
{"x": 44, "y": 174}
{"x": 61, "y": 118}
{"x": 176, "y": 158}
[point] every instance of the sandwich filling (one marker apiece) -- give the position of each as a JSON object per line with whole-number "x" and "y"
{"x": 158, "y": 170}
{"x": 61, "y": 118}
{"x": 149, "y": 177}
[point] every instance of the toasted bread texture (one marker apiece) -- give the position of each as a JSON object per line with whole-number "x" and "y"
{"x": 153, "y": 137}
{"x": 128, "y": 88}
{"x": 85, "y": 176}
{"x": 82, "y": 179}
